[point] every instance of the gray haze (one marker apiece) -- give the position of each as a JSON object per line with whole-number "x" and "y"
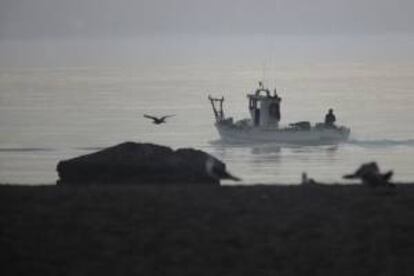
{"x": 103, "y": 18}
{"x": 112, "y": 32}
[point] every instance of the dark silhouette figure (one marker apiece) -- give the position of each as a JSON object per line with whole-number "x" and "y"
{"x": 330, "y": 119}
{"x": 217, "y": 171}
{"x": 371, "y": 176}
{"x": 156, "y": 120}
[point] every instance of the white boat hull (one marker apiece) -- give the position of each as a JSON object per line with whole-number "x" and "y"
{"x": 257, "y": 134}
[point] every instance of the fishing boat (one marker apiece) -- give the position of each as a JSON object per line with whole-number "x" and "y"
{"x": 263, "y": 124}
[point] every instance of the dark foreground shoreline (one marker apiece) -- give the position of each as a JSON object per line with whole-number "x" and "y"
{"x": 229, "y": 230}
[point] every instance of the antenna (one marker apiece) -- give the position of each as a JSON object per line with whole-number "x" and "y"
{"x": 275, "y": 86}
{"x": 264, "y": 71}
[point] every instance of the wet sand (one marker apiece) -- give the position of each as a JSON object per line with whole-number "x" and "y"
{"x": 230, "y": 230}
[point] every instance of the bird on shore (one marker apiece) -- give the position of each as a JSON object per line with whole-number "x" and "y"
{"x": 371, "y": 176}
{"x": 158, "y": 120}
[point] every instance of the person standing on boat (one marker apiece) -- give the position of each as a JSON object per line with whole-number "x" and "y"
{"x": 330, "y": 119}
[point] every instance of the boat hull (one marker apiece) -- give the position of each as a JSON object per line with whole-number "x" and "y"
{"x": 291, "y": 136}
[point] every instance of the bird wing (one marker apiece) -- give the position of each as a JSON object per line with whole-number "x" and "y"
{"x": 150, "y": 117}
{"x": 166, "y": 116}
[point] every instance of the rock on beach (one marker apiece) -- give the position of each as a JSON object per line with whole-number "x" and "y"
{"x": 139, "y": 163}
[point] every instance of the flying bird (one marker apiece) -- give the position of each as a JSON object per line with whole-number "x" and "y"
{"x": 158, "y": 120}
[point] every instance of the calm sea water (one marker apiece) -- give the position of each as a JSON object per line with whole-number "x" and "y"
{"x": 52, "y": 113}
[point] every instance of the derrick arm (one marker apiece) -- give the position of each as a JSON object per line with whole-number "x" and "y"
{"x": 217, "y": 105}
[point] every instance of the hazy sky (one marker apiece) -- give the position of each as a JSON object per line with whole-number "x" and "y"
{"x": 105, "y": 18}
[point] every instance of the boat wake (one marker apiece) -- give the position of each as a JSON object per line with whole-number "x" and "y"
{"x": 256, "y": 144}
{"x": 25, "y": 149}
{"x": 37, "y": 149}
{"x": 356, "y": 142}
{"x": 381, "y": 142}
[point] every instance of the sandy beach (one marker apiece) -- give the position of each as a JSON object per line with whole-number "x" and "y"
{"x": 228, "y": 230}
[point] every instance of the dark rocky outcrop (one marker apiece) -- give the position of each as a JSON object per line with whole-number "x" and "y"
{"x": 136, "y": 163}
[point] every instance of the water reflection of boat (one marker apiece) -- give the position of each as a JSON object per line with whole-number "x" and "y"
{"x": 263, "y": 124}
